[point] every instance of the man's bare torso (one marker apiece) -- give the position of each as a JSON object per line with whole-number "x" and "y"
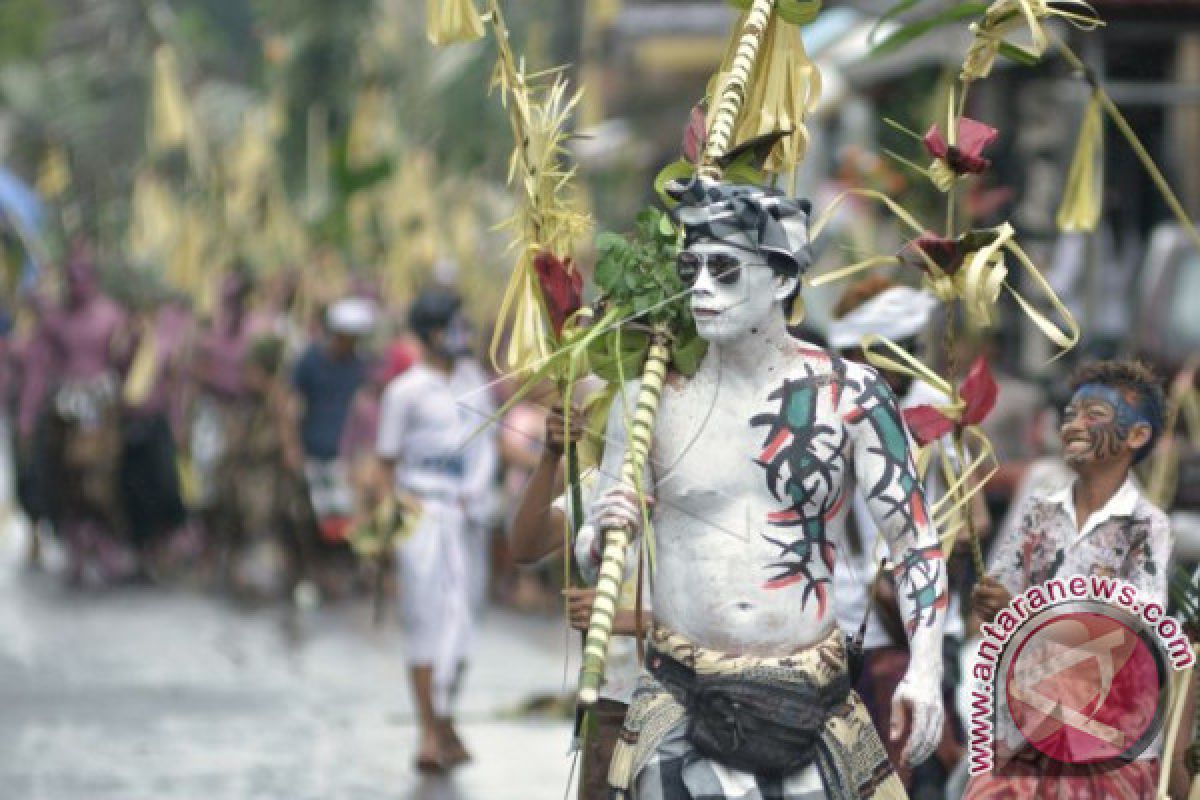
{"x": 751, "y": 483}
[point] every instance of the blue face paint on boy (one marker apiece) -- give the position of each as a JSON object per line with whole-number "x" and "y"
{"x": 1098, "y": 423}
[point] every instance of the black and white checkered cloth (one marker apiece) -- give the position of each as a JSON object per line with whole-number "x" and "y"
{"x": 677, "y": 772}
{"x": 755, "y": 217}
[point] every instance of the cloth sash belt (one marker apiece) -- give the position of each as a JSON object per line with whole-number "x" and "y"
{"x": 763, "y": 724}
{"x": 85, "y": 402}
{"x": 763, "y": 716}
{"x": 441, "y": 465}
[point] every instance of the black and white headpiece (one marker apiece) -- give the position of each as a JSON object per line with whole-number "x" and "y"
{"x": 752, "y": 217}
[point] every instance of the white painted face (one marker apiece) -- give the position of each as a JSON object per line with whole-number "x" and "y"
{"x": 726, "y": 313}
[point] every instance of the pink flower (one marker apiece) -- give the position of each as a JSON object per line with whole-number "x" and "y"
{"x": 967, "y": 155}
{"x": 562, "y": 288}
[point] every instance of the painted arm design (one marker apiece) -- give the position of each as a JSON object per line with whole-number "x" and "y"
{"x": 895, "y": 498}
{"x": 892, "y": 488}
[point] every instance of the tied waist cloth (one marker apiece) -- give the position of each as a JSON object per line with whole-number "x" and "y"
{"x": 768, "y": 717}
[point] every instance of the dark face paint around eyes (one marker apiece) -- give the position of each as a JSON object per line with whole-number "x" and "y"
{"x": 726, "y": 269}
{"x": 1092, "y": 430}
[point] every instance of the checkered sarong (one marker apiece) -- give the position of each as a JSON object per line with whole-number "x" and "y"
{"x": 655, "y": 761}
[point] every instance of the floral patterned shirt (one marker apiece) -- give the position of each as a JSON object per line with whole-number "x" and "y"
{"x": 1128, "y": 538}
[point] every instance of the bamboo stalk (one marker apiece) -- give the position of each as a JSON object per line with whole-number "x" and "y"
{"x": 729, "y": 106}
{"x": 616, "y": 540}
{"x": 641, "y": 433}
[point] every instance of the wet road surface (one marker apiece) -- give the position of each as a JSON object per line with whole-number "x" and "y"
{"x": 171, "y": 694}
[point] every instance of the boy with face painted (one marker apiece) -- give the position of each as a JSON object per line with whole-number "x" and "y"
{"x": 1099, "y": 525}
{"x": 747, "y": 688}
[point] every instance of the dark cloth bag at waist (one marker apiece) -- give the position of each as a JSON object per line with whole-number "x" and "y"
{"x": 757, "y": 724}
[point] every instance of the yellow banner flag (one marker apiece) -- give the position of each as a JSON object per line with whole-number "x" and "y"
{"x": 169, "y": 120}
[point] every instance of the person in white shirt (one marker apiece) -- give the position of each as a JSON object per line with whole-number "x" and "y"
{"x": 1100, "y": 525}
{"x": 481, "y": 460}
{"x": 420, "y": 446}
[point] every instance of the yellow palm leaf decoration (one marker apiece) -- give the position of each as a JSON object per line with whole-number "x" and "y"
{"x": 246, "y": 165}
{"x": 154, "y": 226}
{"x": 780, "y": 87}
{"x": 452, "y": 21}
{"x": 373, "y": 132}
{"x": 192, "y": 254}
{"x": 464, "y": 237}
{"x": 169, "y": 121}
{"x": 547, "y": 217}
{"x": 140, "y": 381}
{"x": 54, "y": 173}
{"x": 1005, "y": 17}
{"x": 1084, "y": 195}
{"x": 284, "y": 235}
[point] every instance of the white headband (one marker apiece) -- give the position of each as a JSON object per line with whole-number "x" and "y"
{"x": 353, "y": 316}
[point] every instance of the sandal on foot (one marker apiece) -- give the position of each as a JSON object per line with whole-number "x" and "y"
{"x": 431, "y": 765}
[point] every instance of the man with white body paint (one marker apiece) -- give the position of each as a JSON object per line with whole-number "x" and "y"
{"x": 753, "y": 460}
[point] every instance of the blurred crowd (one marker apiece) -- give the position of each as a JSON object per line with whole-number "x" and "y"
{"x": 153, "y": 443}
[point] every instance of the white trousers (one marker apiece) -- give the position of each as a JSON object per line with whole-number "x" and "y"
{"x": 435, "y": 588}
{"x": 479, "y": 540}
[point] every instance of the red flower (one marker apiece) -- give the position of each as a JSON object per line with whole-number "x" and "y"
{"x": 562, "y": 288}
{"x": 695, "y": 134}
{"x": 947, "y": 254}
{"x": 927, "y": 424}
{"x": 966, "y": 156}
{"x": 978, "y": 392}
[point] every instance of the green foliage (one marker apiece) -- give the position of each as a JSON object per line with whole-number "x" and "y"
{"x": 23, "y": 28}
{"x": 1018, "y": 55}
{"x": 903, "y": 7}
{"x": 636, "y": 273}
{"x": 613, "y": 355}
{"x": 915, "y": 30}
